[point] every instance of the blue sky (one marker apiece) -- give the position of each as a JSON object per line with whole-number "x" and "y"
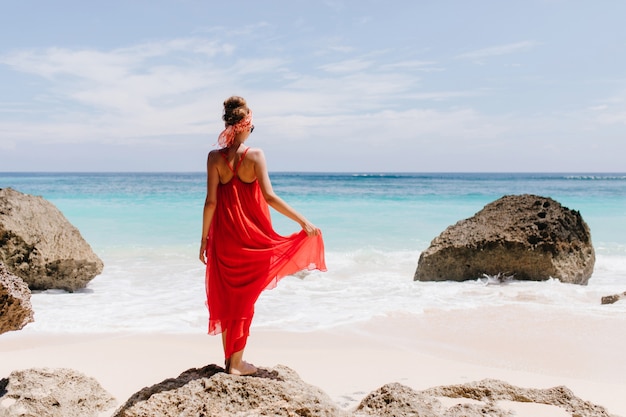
{"x": 363, "y": 85}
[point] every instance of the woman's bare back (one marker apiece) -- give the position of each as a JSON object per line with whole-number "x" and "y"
{"x": 229, "y": 163}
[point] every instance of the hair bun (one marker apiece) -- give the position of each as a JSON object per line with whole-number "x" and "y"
{"x": 235, "y": 109}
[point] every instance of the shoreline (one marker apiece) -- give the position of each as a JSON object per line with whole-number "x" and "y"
{"x": 518, "y": 345}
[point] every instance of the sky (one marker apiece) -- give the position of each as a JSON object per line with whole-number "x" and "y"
{"x": 335, "y": 86}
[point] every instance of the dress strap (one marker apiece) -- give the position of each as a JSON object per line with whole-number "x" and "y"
{"x": 225, "y": 156}
{"x": 240, "y": 161}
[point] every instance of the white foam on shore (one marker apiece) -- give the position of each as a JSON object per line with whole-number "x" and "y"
{"x": 163, "y": 291}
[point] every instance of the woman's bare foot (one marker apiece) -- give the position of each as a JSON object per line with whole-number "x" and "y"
{"x": 242, "y": 368}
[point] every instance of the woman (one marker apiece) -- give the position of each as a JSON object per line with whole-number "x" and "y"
{"x": 242, "y": 252}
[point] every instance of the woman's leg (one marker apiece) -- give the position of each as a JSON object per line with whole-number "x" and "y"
{"x": 233, "y": 351}
{"x": 240, "y": 367}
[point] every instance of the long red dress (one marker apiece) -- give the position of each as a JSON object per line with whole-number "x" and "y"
{"x": 245, "y": 256}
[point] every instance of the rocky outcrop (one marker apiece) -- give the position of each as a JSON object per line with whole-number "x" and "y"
{"x": 39, "y": 245}
{"x": 15, "y": 308}
{"x": 209, "y": 391}
{"x": 610, "y": 299}
{"x": 277, "y": 391}
{"x": 525, "y": 236}
{"x": 490, "y": 391}
{"x": 394, "y": 400}
{"x": 52, "y": 393}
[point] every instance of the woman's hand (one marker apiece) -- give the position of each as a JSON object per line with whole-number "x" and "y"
{"x": 310, "y": 228}
{"x": 203, "y": 251}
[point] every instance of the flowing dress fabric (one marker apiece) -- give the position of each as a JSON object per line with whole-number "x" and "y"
{"x": 246, "y": 256}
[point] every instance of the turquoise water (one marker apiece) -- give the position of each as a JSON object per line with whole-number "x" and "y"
{"x": 388, "y": 211}
{"x": 146, "y": 228}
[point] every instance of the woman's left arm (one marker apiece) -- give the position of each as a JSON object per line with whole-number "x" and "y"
{"x": 277, "y": 203}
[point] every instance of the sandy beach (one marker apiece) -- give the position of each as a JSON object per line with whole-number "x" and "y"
{"x": 515, "y": 344}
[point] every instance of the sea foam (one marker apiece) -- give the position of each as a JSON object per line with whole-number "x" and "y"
{"x": 164, "y": 292}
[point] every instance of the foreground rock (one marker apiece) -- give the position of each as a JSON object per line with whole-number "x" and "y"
{"x": 527, "y": 237}
{"x": 209, "y": 391}
{"x": 610, "y": 299}
{"x": 39, "y": 245}
{"x": 393, "y": 400}
{"x": 278, "y": 391}
{"x": 52, "y": 393}
{"x": 490, "y": 391}
{"x": 15, "y": 308}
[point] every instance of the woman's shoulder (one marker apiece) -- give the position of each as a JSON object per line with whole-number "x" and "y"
{"x": 255, "y": 153}
{"x": 215, "y": 156}
{"x": 217, "y": 152}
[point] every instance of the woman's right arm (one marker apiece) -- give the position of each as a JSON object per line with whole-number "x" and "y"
{"x": 210, "y": 202}
{"x": 277, "y": 203}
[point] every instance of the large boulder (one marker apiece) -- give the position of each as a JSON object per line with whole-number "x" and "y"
{"x": 60, "y": 392}
{"x": 39, "y": 245}
{"x": 525, "y": 236}
{"x": 15, "y": 308}
{"x": 209, "y": 391}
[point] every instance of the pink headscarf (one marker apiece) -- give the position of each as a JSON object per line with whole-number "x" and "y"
{"x": 227, "y": 136}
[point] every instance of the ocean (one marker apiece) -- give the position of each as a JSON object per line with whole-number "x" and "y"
{"x": 146, "y": 228}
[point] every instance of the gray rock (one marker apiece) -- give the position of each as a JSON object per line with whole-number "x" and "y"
{"x": 610, "y": 299}
{"x": 396, "y": 400}
{"x": 209, "y": 391}
{"x": 46, "y": 392}
{"x": 525, "y": 236}
{"x": 490, "y": 391}
{"x": 279, "y": 391}
{"x": 39, "y": 245}
{"x": 16, "y": 310}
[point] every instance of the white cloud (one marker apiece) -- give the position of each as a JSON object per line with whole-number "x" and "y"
{"x": 176, "y": 88}
{"x": 348, "y": 66}
{"x": 612, "y": 117}
{"x": 414, "y": 65}
{"x": 608, "y": 111}
{"x": 98, "y": 65}
{"x": 170, "y": 93}
{"x": 443, "y": 95}
{"x": 383, "y": 128}
{"x": 341, "y": 48}
{"x": 142, "y": 90}
{"x": 497, "y": 50}
{"x": 259, "y": 65}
